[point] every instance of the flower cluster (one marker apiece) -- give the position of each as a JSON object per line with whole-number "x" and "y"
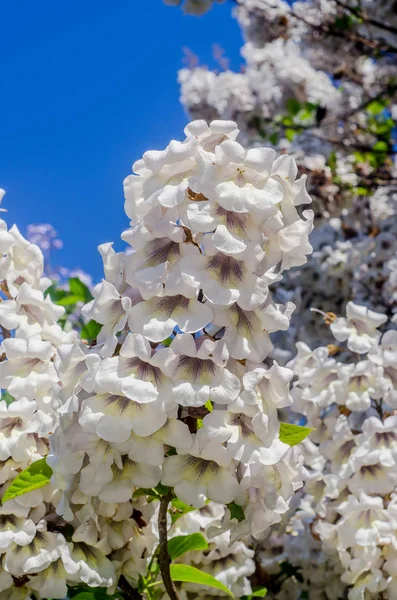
{"x": 319, "y": 82}
{"x": 355, "y": 256}
{"x": 173, "y": 392}
{"x": 231, "y": 563}
{"x": 295, "y": 56}
{"x": 31, "y": 551}
{"x": 349, "y": 496}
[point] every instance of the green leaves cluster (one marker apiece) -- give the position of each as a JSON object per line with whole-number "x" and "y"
{"x": 380, "y": 125}
{"x": 177, "y": 547}
{"x": 298, "y": 117}
{"x": 77, "y": 294}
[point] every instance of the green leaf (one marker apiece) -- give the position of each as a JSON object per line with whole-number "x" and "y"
{"x": 286, "y": 121}
{"x": 290, "y": 134}
{"x": 37, "y": 475}
{"x": 78, "y": 288}
{"x": 181, "y": 544}
{"x": 167, "y": 342}
{"x": 56, "y": 294}
{"x": 176, "y": 503}
{"x": 380, "y": 146}
{"x": 376, "y": 107}
{"x": 84, "y": 592}
{"x": 362, "y": 191}
{"x": 293, "y": 434}
{"x": 162, "y": 489}
{"x": 192, "y": 575}
{"x": 7, "y": 397}
{"x": 85, "y": 596}
{"x": 145, "y": 492}
{"x": 181, "y": 507}
{"x": 361, "y": 157}
{"x": 236, "y": 511}
{"x": 293, "y": 106}
{"x": 68, "y": 300}
{"x": 208, "y": 405}
{"x": 332, "y": 160}
{"x": 90, "y": 330}
{"x": 258, "y": 593}
{"x": 344, "y": 22}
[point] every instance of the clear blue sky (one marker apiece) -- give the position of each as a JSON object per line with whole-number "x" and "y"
{"x": 86, "y": 87}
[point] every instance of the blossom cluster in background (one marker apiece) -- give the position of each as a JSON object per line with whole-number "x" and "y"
{"x": 319, "y": 82}
{"x": 346, "y": 519}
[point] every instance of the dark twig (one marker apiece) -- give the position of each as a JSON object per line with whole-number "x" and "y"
{"x": 388, "y": 91}
{"x": 349, "y": 35}
{"x": 5, "y": 333}
{"x": 129, "y": 593}
{"x": 361, "y": 15}
{"x": 164, "y": 557}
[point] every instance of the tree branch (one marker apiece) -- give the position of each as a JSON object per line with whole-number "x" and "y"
{"x": 129, "y": 592}
{"x": 349, "y": 35}
{"x": 164, "y": 557}
{"x": 5, "y": 333}
{"x": 359, "y": 13}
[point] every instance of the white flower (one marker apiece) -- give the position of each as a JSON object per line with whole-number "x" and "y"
{"x": 239, "y": 179}
{"x": 23, "y": 263}
{"x": 165, "y": 176}
{"x": 30, "y": 308}
{"x": 201, "y": 372}
{"x": 112, "y": 417}
{"x": 373, "y": 474}
{"x": 15, "y": 529}
{"x": 381, "y": 436}
{"x": 34, "y": 556}
{"x": 359, "y": 328}
{"x": 159, "y": 255}
{"x": 138, "y": 372}
{"x": 212, "y": 134}
{"x": 364, "y": 574}
{"x": 123, "y": 479}
{"x": 111, "y": 310}
{"x": 19, "y": 422}
{"x": 364, "y": 522}
{"x": 358, "y": 384}
{"x": 156, "y": 319}
{"x": 268, "y": 389}
{"x": 28, "y": 370}
{"x": 150, "y": 449}
{"x": 245, "y": 439}
{"x": 95, "y": 569}
{"x": 225, "y": 279}
{"x": 205, "y": 472}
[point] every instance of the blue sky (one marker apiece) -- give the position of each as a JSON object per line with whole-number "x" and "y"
{"x": 86, "y": 87}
